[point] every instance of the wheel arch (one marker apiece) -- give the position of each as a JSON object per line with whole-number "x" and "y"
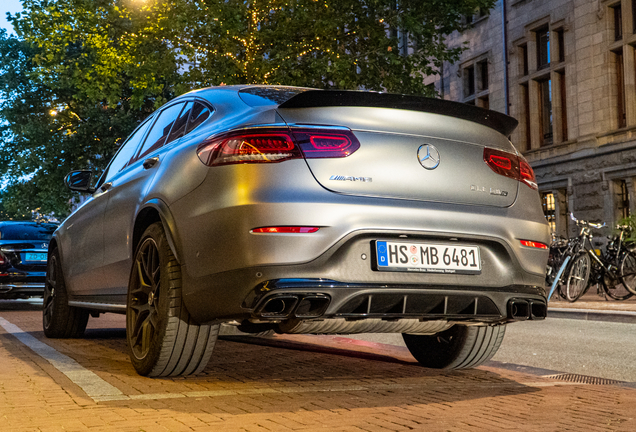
{"x": 52, "y": 244}
{"x": 155, "y": 210}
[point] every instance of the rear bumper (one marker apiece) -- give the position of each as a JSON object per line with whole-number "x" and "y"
{"x": 276, "y": 301}
{"x": 342, "y": 285}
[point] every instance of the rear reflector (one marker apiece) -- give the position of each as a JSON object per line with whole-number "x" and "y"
{"x": 285, "y": 230}
{"x": 533, "y": 244}
{"x": 267, "y": 145}
{"x": 510, "y": 165}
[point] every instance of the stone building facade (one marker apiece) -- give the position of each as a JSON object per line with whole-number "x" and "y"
{"x": 571, "y": 83}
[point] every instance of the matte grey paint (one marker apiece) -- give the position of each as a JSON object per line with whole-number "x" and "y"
{"x": 212, "y": 210}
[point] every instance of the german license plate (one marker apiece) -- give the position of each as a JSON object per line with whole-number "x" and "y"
{"x": 35, "y": 257}
{"x": 427, "y": 257}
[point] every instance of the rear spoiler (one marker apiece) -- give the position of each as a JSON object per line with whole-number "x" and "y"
{"x": 345, "y": 98}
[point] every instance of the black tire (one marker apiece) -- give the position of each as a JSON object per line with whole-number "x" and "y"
{"x": 163, "y": 340}
{"x": 578, "y": 276}
{"x": 628, "y": 271}
{"x": 459, "y": 347}
{"x": 614, "y": 288}
{"x": 58, "y": 318}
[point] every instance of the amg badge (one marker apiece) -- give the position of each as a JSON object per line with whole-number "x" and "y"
{"x": 351, "y": 178}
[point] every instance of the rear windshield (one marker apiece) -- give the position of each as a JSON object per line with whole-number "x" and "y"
{"x": 26, "y": 231}
{"x": 262, "y": 96}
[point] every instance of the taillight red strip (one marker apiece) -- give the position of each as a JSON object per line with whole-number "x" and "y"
{"x": 285, "y": 230}
{"x": 510, "y": 165}
{"x": 533, "y": 244}
{"x": 264, "y": 145}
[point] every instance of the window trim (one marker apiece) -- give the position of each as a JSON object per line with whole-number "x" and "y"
{"x": 102, "y": 178}
{"x": 538, "y": 32}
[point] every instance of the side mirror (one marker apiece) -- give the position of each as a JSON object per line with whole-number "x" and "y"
{"x": 79, "y": 181}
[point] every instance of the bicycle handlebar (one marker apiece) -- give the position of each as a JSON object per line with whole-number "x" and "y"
{"x": 585, "y": 223}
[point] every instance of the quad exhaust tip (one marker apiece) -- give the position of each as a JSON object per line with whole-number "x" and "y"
{"x": 284, "y": 306}
{"x": 521, "y": 310}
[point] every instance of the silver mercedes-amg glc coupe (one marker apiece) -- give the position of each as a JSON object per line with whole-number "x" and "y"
{"x": 304, "y": 211}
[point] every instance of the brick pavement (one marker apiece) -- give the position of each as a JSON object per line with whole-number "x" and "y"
{"x": 314, "y": 383}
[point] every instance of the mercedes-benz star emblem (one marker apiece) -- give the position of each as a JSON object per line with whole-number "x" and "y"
{"x": 428, "y": 156}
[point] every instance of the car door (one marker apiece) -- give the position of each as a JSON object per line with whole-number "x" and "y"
{"x": 83, "y": 236}
{"x": 127, "y": 192}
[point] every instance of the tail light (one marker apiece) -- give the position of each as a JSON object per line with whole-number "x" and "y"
{"x": 261, "y": 145}
{"x": 534, "y": 244}
{"x": 510, "y": 165}
{"x": 285, "y": 230}
{"x": 3, "y": 259}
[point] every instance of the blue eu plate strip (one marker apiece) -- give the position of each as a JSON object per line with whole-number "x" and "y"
{"x": 383, "y": 257}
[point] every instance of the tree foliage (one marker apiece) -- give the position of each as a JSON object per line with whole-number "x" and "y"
{"x": 83, "y": 73}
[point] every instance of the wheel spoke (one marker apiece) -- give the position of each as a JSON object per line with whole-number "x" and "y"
{"x": 143, "y": 318}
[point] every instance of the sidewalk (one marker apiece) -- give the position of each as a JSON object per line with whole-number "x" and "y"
{"x": 592, "y": 307}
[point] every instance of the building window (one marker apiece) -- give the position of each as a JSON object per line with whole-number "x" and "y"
{"x": 563, "y": 110}
{"x": 634, "y": 16}
{"x": 623, "y": 199}
{"x": 469, "y": 81}
{"x": 618, "y": 22}
{"x": 525, "y": 96}
{"x": 543, "y": 48}
{"x": 484, "y": 102}
{"x": 549, "y": 209}
{"x": 620, "y": 88}
{"x": 561, "y": 45}
{"x": 476, "y": 16}
{"x": 482, "y": 69}
{"x": 545, "y": 111}
{"x": 524, "y": 59}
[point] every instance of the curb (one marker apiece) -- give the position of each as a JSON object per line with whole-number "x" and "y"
{"x": 625, "y": 317}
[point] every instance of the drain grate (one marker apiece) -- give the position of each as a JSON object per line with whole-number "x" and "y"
{"x": 582, "y": 379}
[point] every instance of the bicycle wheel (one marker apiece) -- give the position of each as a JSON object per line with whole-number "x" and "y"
{"x": 614, "y": 287}
{"x": 578, "y": 277}
{"x": 627, "y": 271}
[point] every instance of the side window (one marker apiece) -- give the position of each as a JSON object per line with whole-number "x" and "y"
{"x": 179, "y": 128}
{"x": 200, "y": 113}
{"x": 127, "y": 151}
{"x": 160, "y": 130}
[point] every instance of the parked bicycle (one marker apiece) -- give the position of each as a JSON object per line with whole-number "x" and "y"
{"x": 612, "y": 270}
{"x": 580, "y": 265}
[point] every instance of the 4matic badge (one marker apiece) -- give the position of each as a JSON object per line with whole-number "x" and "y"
{"x": 493, "y": 191}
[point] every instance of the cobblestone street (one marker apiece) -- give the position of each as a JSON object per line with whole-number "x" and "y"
{"x": 300, "y": 383}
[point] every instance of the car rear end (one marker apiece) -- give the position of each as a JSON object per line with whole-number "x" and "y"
{"x": 365, "y": 212}
{"x": 23, "y": 257}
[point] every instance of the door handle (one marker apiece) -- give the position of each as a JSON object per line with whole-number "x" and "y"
{"x": 105, "y": 186}
{"x": 150, "y": 162}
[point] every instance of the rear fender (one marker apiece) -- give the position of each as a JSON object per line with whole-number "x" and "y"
{"x": 168, "y": 224}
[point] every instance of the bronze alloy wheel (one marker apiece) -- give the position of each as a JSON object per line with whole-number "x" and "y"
{"x": 163, "y": 339}
{"x": 145, "y": 292}
{"x": 49, "y": 291}
{"x": 58, "y": 318}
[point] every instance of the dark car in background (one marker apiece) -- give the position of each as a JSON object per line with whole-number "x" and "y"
{"x": 23, "y": 255}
